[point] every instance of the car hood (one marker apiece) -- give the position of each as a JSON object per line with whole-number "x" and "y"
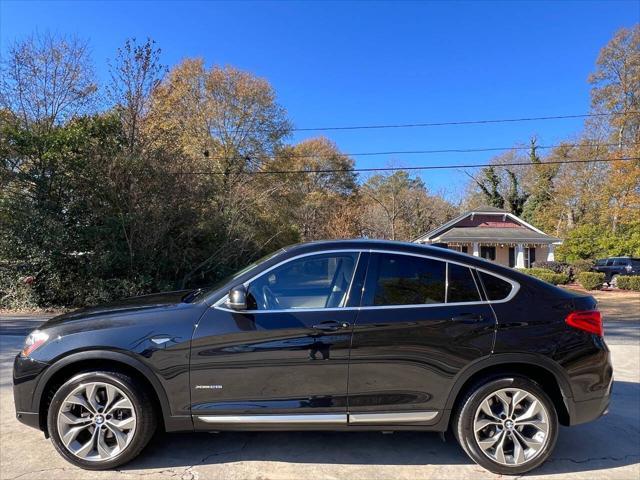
{"x": 122, "y": 307}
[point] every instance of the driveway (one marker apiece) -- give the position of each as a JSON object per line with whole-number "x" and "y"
{"x": 606, "y": 449}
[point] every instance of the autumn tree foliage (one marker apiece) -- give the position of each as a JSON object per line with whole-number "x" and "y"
{"x": 594, "y": 206}
{"x": 173, "y": 177}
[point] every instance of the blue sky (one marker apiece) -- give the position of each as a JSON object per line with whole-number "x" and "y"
{"x": 353, "y": 63}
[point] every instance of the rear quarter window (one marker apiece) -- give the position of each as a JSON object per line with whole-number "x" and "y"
{"x": 496, "y": 288}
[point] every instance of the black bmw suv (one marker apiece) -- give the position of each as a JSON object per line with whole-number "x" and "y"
{"x": 336, "y": 335}
{"x": 616, "y": 266}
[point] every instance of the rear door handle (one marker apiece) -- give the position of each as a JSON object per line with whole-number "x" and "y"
{"x": 468, "y": 318}
{"x": 330, "y": 326}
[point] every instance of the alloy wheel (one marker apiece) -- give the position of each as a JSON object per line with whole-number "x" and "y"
{"x": 96, "y": 421}
{"x": 511, "y": 426}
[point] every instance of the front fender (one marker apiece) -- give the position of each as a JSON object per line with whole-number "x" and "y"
{"x": 172, "y": 422}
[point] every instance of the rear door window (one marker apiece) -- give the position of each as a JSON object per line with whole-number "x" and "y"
{"x": 496, "y": 288}
{"x": 461, "y": 285}
{"x": 406, "y": 280}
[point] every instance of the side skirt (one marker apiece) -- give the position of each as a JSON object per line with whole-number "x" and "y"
{"x": 322, "y": 421}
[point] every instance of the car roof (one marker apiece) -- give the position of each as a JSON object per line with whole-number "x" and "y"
{"x": 398, "y": 246}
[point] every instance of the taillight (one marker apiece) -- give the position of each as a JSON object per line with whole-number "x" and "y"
{"x": 586, "y": 320}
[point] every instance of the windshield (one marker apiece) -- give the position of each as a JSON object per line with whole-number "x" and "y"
{"x": 220, "y": 283}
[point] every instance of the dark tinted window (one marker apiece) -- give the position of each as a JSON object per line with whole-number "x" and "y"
{"x": 408, "y": 280}
{"x": 496, "y": 288}
{"x": 622, "y": 261}
{"x": 462, "y": 287}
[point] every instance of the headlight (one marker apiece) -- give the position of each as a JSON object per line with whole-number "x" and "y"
{"x": 34, "y": 341}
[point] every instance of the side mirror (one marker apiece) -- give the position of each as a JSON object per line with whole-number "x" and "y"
{"x": 237, "y": 298}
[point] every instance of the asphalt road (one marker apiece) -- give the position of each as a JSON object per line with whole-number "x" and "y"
{"x": 606, "y": 449}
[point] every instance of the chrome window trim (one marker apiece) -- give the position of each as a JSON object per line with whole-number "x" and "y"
{"x": 446, "y": 282}
{"x": 515, "y": 286}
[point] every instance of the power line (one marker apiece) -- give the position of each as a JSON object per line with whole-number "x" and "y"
{"x": 462, "y": 122}
{"x": 424, "y": 167}
{"x": 415, "y": 152}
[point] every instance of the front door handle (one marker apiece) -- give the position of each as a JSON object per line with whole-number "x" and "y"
{"x": 330, "y": 326}
{"x": 468, "y": 318}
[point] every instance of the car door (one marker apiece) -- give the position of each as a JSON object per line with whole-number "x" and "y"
{"x": 609, "y": 269}
{"x": 285, "y": 359}
{"x": 422, "y": 320}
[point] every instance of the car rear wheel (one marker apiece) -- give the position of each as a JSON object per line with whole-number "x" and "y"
{"x": 100, "y": 420}
{"x": 507, "y": 425}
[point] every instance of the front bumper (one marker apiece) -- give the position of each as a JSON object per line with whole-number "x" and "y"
{"x": 26, "y": 374}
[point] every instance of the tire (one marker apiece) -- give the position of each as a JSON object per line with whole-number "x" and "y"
{"x": 120, "y": 407}
{"x": 472, "y": 414}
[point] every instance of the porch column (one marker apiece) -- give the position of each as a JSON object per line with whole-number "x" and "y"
{"x": 520, "y": 256}
{"x": 551, "y": 257}
{"x": 476, "y": 249}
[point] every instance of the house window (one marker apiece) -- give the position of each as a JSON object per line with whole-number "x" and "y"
{"x": 529, "y": 256}
{"x": 488, "y": 252}
{"x": 464, "y": 249}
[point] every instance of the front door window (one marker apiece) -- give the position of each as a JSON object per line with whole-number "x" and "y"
{"x": 313, "y": 282}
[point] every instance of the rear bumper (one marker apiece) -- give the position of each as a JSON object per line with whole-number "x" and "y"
{"x": 594, "y": 406}
{"x": 588, "y": 410}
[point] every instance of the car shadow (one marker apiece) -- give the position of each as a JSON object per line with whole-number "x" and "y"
{"x": 592, "y": 446}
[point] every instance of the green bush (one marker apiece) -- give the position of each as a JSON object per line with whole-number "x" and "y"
{"x": 16, "y": 291}
{"x": 555, "y": 267}
{"x": 579, "y": 266}
{"x": 547, "y": 275}
{"x": 591, "y": 280}
{"x": 629, "y": 282}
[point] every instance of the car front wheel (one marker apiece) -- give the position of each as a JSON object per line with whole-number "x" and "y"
{"x": 507, "y": 425}
{"x": 100, "y": 420}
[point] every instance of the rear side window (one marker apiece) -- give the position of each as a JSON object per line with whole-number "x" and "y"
{"x": 462, "y": 286}
{"x": 496, "y": 288}
{"x": 621, "y": 261}
{"x": 408, "y": 280}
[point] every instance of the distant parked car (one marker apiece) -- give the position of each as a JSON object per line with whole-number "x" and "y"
{"x": 615, "y": 266}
